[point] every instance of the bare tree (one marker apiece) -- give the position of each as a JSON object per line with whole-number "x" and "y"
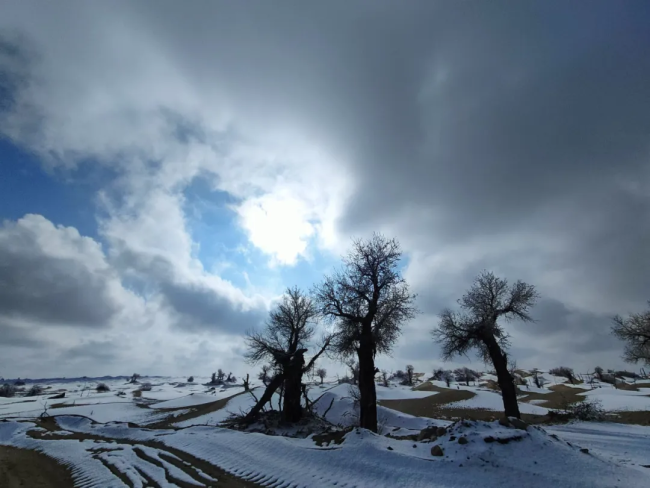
{"x": 354, "y": 370}
{"x": 476, "y": 327}
{"x": 447, "y": 376}
{"x": 284, "y": 342}
{"x": 537, "y": 379}
{"x": 220, "y": 375}
{"x": 384, "y": 377}
{"x": 321, "y": 373}
{"x": 264, "y": 375}
{"x": 635, "y": 331}
{"x": 369, "y": 300}
{"x": 409, "y": 374}
{"x": 465, "y": 375}
{"x": 598, "y": 371}
{"x": 564, "y": 372}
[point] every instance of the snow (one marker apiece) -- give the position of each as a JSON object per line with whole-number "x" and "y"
{"x": 624, "y": 444}
{"x": 615, "y": 399}
{"x": 401, "y": 392}
{"x": 108, "y": 412}
{"x": 194, "y": 399}
{"x": 364, "y": 460}
{"x": 617, "y": 453}
{"x": 234, "y": 405}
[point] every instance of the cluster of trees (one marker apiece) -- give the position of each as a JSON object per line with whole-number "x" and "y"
{"x": 367, "y": 301}
{"x": 219, "y": 378}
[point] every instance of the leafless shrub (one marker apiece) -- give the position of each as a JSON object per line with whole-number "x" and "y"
{"x": 102, "y": 387}
{"x": 384, "y": 377}
{"x": 321, "y": 373}
{"x": 35, "y": 390}
{"x": 538, "y": 379}
{"x": 7, "y": 390}
{"x": 587, "y": 410}
{"x": 564, "y": 372}
{"x": 635, "y": 331}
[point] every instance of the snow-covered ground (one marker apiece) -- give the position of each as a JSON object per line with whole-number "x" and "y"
{"x": 530, "y": 458}
{"x": 617, "y": 453}
{"x": 624, "y": 444}
{"x": 617, "y": 399}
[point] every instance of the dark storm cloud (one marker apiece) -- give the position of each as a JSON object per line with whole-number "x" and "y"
{"x": 14, "y": 336}
{"x": 39, "y": 283}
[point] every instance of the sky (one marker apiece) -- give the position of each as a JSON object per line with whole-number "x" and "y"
{"x": 167, "y": 171}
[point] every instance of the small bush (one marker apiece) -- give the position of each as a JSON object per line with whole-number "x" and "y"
{"x": 19, "y": 382}
{"x": 102, "y": 387}
{"x": 588, "y": 410}
{"x": 35, "y": 390}
{"x": 136, "y": 393}
{"x": 7, "y": 390}
{"x": 190, "y": 379}
{"x": 564, "y": 372}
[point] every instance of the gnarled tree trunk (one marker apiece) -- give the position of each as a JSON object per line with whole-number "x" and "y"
{"x": 506, "y": 383}
{"x": 266, "y": 397}
{"x": 367, "y": 391}
{"x": 292, "y": 408}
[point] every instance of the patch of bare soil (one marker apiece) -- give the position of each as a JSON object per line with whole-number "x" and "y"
{"x": 559, "y": 397}
{"x": 626, "y": 417}
{"x": 428, "y": 406}
{"x": 190, "y": 465}
{"x": 632, "y": 386}
{"x": 22, "y": 468}
{"x": 436, "y": 406}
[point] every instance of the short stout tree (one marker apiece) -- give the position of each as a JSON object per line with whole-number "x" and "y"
{"x": 284, "y": 342}
{"x": 634, "y": 330}
{"x": 476, "y": 326}
{"x": 410, "y": 370}
{"x": 369, "y": 301}
{"x": 321, "y": 373}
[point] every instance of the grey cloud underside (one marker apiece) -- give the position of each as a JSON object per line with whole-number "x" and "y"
{"x": 13, "y": 336}
{"x": 105, "y": 351}
{"x": 193, "y": 307}
{"x": 197, "y": 308}
{"x": 51, "y": 290}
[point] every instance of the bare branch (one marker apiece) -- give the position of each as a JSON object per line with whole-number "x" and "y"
{"x": 635, "y": 331}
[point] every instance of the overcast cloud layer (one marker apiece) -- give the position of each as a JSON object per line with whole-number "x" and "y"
{"x": 512, "y": 136}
